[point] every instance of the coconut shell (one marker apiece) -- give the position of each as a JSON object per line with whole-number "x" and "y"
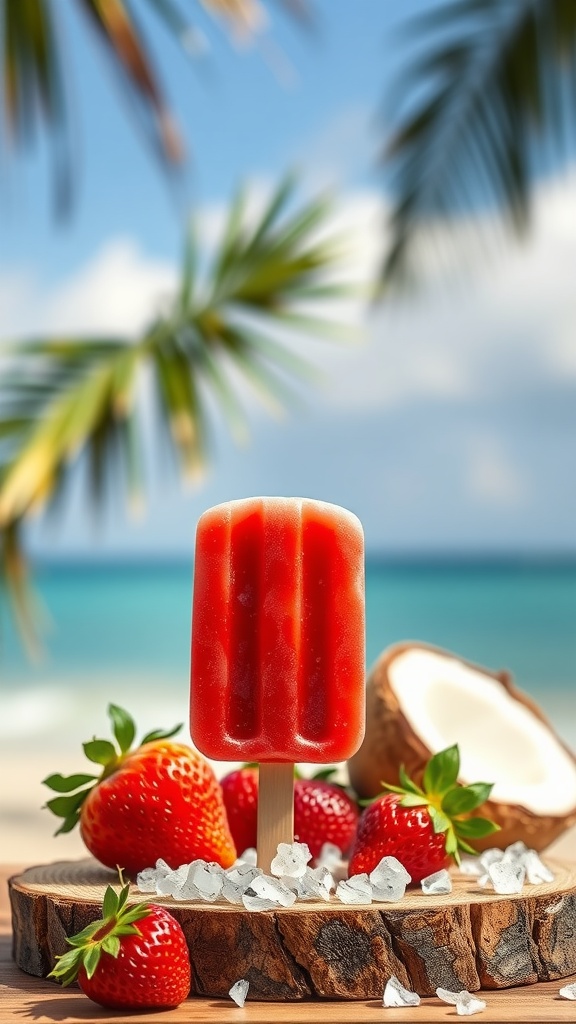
{"x": 390, "y": 742}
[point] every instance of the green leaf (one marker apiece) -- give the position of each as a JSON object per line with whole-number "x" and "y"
{"x": 62, "y": 806}
{"x": 442, "y": 770}
{"x": 466, "y": 847}
{"x": 110, "y": 905}
{"x": 99, "y": 751}
{"x": 92, "y": 959}
{"x": 451, "y": 845}
{"x": 70, "y": 822}
{"x": 65, "y": 784}
{"x": 464, "y": 799}
{"x": 111, "y": 945}
{"x": 87, "y": 933}
{"x": 475, "y": 828}
{"x": 123, "y": 727}
{"x": 406, "y": 782}
{"x": 440, "y": 822}
{"x": 160, "y": 734}
{"x": 414, "y": 800}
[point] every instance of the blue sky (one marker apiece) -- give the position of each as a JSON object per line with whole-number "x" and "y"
{"x": 450, "y": 427}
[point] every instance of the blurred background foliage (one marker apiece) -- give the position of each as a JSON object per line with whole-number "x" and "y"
{"x": 483, "y": 106}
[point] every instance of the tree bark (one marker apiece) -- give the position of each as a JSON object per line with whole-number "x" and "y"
{"x": 471, "y": 938}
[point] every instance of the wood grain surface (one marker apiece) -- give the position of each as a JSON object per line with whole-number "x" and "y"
{"x": 471, "y": 938}
{"x": 24, "y": 998}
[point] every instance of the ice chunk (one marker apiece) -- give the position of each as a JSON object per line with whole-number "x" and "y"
{"x": 205, "y": 879}
{"x": 488, "y": 857}
{"x": 272, "y": 889}
{"x": 389, "y": 880}
{"x": 507, "y": 877}
{"x": 146, "y": 880}
{"x": 568, "y": 992}
{"x": 239, "y": 991}
{"x": 321, "y": 880}
{"x": 356, "y": 889}
{"x": 291, "y": 860}
{"x": 171, "y": 883}
{"x": 396, "y": 995}
{"x": 517, "y": 849}
{"x": 249, "y": 856}
{"x": 330, "y": 857}
{"x": 439, "y": 882}
{"x": 465, "y": 1002}
{"x": 536, "y": 870}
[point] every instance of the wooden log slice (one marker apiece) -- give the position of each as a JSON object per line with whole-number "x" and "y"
{"x": 471, "y": 938}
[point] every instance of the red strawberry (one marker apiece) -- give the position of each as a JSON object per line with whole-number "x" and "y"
{"x": 240, "y": 795}
{"x": 323, "y": 812}
{"x": 127, "y": 966}
{"x": 423, "y": 827}
{"x": 160, "y": 800}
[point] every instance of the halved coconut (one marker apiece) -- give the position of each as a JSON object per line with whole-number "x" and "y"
{"x": 421, "y": 699}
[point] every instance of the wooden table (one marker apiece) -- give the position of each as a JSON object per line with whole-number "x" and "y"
{"x": 24, "y": 998}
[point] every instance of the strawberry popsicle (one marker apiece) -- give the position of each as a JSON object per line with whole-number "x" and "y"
{"x": 278, "y": 657}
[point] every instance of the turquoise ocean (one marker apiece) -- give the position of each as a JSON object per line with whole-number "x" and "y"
{"x": 121, "y": 632}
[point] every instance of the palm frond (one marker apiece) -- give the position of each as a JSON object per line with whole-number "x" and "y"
{"x": 483, "y": 88}
{"x": 61, "y": 399}
{"x": 36, "y": 76}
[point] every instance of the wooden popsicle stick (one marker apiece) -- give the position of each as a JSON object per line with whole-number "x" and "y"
{"x": 275, "y": 810}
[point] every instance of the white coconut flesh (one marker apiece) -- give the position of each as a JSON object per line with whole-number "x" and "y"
{"x": 501, "y": 740}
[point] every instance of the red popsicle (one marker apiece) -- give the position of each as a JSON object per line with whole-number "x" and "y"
{"x": 278, "y": 658}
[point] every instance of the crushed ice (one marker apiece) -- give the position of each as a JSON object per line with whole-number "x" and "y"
{"x": 396, "y": 995}
{"x": 239, "y": 991}
{"x": 465, "y": 1002}
{"x": 330, "y": 857}
{"x": 389, "y": 880}
{"x": 507, "y": 870}
{"x": 568, "y": 991}
{"x": 291, "y": 860}
{"x": 437, "y": 883}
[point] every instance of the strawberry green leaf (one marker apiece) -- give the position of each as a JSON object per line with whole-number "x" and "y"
{"x": 111, "y": 945}
{"x": 413, "y": 800}
{"x": 63, "y": 806}
{"x": 87, "y": 933}
{"x": 440, "y": 822}
{"x": 92, "y": 959}
{"x": 161, "y": 734}
{"x": 123, "y": 727}
{"x": 65, "y": 784}
{"x": 463, "y": 799}
{"x": 442, "y": 770}
{"x": 451, "y": 845}
{"x": 110, "y": 905}
{"x": 99, "y": 751}
{"x": 466, "y": 847}
{"x": 475, "y": 828}
{"x": 407, "y": 783}
{"x": 68, "y": 824}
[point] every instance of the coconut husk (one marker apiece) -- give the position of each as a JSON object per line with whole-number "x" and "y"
{"x": 390, "y": 741}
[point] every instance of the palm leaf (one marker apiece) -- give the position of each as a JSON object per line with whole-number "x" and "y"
{"x": 61, "y": 399}
{"x": 484, "y": 86}
{"x": 36, "y": 80}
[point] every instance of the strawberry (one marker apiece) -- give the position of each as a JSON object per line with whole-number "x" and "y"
{"x": 160, "y": 800}
{"x": 124, "y": 965}
{"x": 323, "y": 812}
{"x": 423, "y": 827}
